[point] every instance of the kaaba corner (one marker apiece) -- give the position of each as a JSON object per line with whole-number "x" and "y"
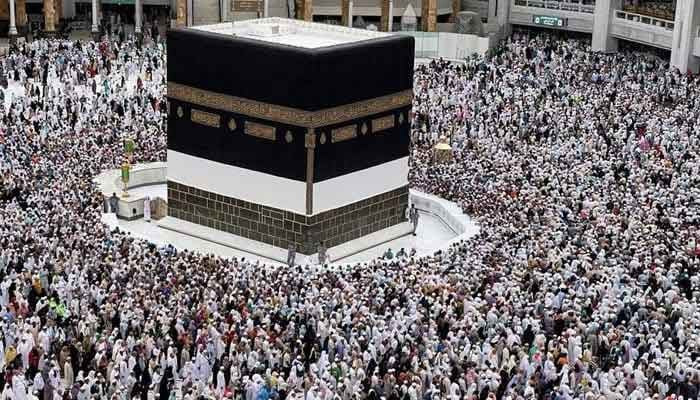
{"x": 289, "y": 132}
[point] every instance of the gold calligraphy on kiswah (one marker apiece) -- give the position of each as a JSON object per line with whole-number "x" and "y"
{"x": 344, "y": 133}
{"x": 205, "y": 118}
{"x": 287, "y": 115}
{"x": 382, "y": 124}
{"x": 260, "y": 130}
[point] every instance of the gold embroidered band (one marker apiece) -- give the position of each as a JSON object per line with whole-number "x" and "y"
{"x": 205, "y": 118}
{"x": 383, "y": 123}
{"x": 344, "y": 133}
{"x": 287, "y": 115}
{"x": 310, "y": 144}
{"x": 260, "y": 130}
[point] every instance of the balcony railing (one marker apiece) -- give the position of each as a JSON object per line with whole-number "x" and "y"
{"x": 645, "y": 19}
{"x": 557, "y": 5}
{"x": 455, "y": 46}
{"x": 667, "y": 13}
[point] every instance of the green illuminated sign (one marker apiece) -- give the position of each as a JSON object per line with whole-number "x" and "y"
{"x": 545, "y": 20}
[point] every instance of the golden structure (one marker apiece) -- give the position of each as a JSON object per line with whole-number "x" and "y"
{"x": 442, "y": 151}
{"x": 428, "y": 15}
{"x": 304, "y": 10}
{"x": 21, "y": 10}
{"x": 5, "y": 10}
{"x": 384, "y": 20}
{"x": 53, "y": 12}
{"x": 344, "y": 12}
{"x": 126, "y": 172}
{"x": 49, "y": 16}
{"x": 456, "y": 8}
{"x": 308, "y": 8}
{"x": 58, "y": 9}
{"x": 288, "y": 115}
{"x": 181, "y": 18}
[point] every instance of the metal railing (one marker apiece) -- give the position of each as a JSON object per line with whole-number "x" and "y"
{"x": 557, "y": 5}
{"x": 645, "y": 19}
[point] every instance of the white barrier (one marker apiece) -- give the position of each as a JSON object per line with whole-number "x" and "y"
{"x": 131, "y": 207}
{"x": 147, "y": 174}
{"x": 448, "y": 45}
{"x": 459, "y": 46}
{"x": 645, "y": 19}
{"x": 450, "y": 214}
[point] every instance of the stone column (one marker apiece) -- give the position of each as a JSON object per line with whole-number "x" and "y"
{"x": 138, "y": 18}
{"x": 307, "y": 10}
{"x": 384, "y": 20}
{"x": 303, "y": 9}
{"x": 602, "y": 21}
{"x": 13, "y": 25}
{"x": 99, "y": 12}
{"x": 492, "y": 14}
{"x": 49, "y": 17}
{"x": 456, "y": 8}
{"x": 428, "y": 15}
{"x": 95, "y": 22}
{"x": 350, "y": 14}
{"x": 344, "y": 12}
{"x": 58, "y": 11}
{"x": 498, "y": 18}
{"x": 310, "y": 144}
{"x": 684, "y": 32}
{"x": 21, "y": 19}
{"x": 391, "y": 16}
{"x": 4, "y": 10}
{"x": 504, "y": 17}
{"x": 181, "y": 19}
{"x": 190, "y": 12}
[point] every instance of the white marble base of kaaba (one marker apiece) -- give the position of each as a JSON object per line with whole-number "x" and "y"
{"x": 441, "y": 224}
{"x": 337, "y": 253}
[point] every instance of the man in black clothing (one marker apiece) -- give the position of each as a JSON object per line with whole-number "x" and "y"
{"x": 113, "y": 203}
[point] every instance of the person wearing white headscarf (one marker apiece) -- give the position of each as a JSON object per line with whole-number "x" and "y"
{"x": 19, "y": 388}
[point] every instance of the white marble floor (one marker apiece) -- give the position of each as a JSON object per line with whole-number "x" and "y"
{"x": 431, "y": 235}
{"x": 151, "y": 232}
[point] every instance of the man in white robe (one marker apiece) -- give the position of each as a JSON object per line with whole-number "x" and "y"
{"x": 147, "y": 209}
{"x": 19, "y": 388}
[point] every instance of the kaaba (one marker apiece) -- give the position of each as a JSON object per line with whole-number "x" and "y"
{"x": 289, "y": 132}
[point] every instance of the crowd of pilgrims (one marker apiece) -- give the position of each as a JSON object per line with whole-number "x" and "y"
{"x": 580, "y": 168}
